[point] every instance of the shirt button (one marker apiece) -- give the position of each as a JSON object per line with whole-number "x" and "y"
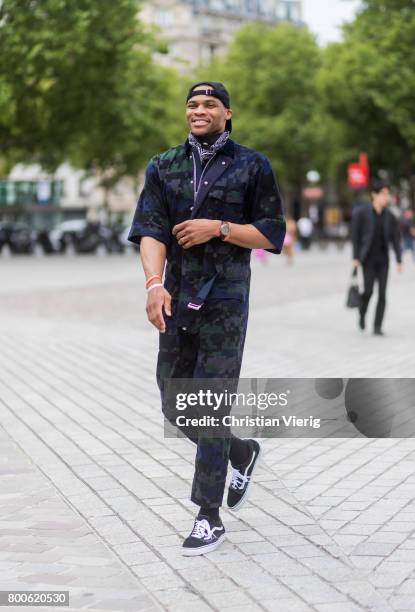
{"x": 191, "y": 182}
{"x": 205, "y": 182}
{"x": 192, "y": 207}
{"x": 184, "y": 328}
{"x": 223, "y": 163}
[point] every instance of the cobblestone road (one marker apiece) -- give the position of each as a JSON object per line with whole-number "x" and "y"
{"x": 94, "y": 499}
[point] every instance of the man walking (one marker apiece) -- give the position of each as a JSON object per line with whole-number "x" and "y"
{"x": 204, "y": 206}
{"x": 374, "y": 227}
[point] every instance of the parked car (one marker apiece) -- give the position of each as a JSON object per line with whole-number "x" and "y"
{"x": 83, "y": 236}
{"x": 18, "y": 237}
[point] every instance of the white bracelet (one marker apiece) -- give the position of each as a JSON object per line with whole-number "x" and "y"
{"x": 154, "y": 286}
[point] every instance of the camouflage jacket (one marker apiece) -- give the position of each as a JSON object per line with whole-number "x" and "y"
{"x": 237, "y": 186}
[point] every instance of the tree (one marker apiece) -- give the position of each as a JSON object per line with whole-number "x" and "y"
{"x": 368, "y": 84}
{"x": 270, "y": 72}
{"x": 77, "y": 82}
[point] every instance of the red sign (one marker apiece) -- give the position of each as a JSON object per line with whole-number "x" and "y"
{"x": 313, "y": 193}
{"x": 356, "y": 176}
{"x": 364, "y": 164}
{"x": 358, "y": 173}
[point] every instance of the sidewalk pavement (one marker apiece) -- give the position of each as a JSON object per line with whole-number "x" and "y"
{"x": 95, "y": 500}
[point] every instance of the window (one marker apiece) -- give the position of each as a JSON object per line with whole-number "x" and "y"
{"x": 290, "y": 11}
{"x": 164, "y": 18}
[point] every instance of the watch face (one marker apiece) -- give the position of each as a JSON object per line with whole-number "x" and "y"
{"x": 224, "y": 229}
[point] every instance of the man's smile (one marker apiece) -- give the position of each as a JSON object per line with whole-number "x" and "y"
{"x": 200, "y": 122}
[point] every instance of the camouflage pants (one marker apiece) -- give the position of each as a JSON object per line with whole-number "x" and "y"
{"x": 211, "y": 348}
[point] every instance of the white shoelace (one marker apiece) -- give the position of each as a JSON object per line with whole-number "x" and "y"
{"x": 200, "y": 529}
{"x": 239, "y": 480}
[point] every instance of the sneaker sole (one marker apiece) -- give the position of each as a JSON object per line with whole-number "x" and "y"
{"x": 193, "y": 552}
{"x": 245, "y": 497}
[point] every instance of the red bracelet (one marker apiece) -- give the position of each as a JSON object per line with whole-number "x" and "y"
{"x": 148, "y": 281}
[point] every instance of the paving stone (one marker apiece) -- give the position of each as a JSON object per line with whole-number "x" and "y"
{"x": 213, "y": 585}
{"x": 339, "y": 607}
{"x": 253, "y": 548}
{"x": 159, "y": 583}
{"x": 294, "y": 604}
{"x": 173, "y": 596}
{"x": 229, "y": 599}
{"x": 331, "y": 518}
{"x": 313, "y": 589}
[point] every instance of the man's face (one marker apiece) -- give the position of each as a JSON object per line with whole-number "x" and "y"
{"x": 206, "y": 114}
{"x": 382, "y": 198}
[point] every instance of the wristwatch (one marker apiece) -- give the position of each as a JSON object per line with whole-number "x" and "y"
{"x": 225, "y": 230}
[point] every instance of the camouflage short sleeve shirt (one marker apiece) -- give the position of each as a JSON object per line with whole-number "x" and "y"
{"x": 239, "y": 186}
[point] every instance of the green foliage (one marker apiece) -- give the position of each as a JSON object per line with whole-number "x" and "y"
{"x": 368, "y": 84}
{"x": 308, "y": 107}
{"x": 271, "y": 74}
{"x": 77, "y": 81}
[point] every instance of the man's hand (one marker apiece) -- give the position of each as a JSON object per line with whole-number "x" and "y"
{"x": 399, "y": 267}
{"x": 355, "y": 263}
{"x": 196, "y": 231}
{"x": 157, "y": 299}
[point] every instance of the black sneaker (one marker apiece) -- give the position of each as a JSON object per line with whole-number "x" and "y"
{"x": 378, "y": 332}
{"x": 206, "y": 536}
{"x": 362, "y": 324}
{"x": 241, "y": 478}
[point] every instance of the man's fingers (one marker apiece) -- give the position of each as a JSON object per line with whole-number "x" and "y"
{"x": 167, "y": 305}
{"x": 158, "y": 321}
{"x": 184, "y": 234}
{"x": 178, "y": 227}
{"x": 160, "y": 324}
{"x": 186, "y": 242}
{"x": 155, "y": 315}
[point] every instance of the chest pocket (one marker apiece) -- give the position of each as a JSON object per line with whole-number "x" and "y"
{"x": 227, "y": 201}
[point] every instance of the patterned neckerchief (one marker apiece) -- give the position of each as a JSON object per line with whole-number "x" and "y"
{"x": 206, "y": 153}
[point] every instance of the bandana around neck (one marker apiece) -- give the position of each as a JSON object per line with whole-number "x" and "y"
{"x": 206, "y": 153}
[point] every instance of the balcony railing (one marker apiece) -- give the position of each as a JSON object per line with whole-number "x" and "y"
{"x": 272, "y": 10}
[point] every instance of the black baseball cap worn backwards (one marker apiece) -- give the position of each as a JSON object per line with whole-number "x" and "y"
{"x": 216, "y": 90}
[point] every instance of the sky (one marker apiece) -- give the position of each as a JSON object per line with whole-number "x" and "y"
{"x": 324, "y": 17}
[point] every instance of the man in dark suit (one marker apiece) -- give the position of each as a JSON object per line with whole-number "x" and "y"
{"x": 374, "y": 227}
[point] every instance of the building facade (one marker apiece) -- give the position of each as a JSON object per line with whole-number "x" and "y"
{"x": 32, "y": 196}
{"x": 197, "y": 30}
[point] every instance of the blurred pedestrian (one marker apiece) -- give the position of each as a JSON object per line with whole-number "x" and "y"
{"x": 305, "y": 231}
{"x": 260, "y": 255}
{"x": 374, "y": 228}
{"x": 289, "y": 241}
{"x": 408, "y": 231}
